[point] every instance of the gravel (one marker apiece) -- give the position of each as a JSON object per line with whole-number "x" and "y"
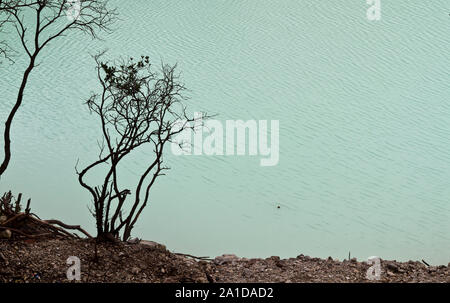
{"x": 46, "y": 261}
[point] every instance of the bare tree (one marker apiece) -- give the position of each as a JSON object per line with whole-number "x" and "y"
{"x": 137, "y": 108}
{"x": 50, "y": 22}
{"x": 4, "y": 18}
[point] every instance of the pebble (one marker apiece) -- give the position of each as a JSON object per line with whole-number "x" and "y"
{"x": 227, "y": 258}
{"x": 153, "y": 245}
{"x": 134, "y": 241}
{"x": 135, "y": 270}
{"x": 392, "y": 267}
{"x": 3, "y": 219}
{"x": 5, "y": 234}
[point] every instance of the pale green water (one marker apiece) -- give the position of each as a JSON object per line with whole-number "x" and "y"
{"x": 364, "y": 127}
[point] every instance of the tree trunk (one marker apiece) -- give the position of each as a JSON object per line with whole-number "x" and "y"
{"x": 7, "y": 133}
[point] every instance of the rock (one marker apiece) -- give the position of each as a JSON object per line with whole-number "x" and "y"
{"x": 274, "y": 258}
{"x": 230, "y": 258}
{"x": 354, "y": 260}
{"x": 392, "y": 267}
{"x": 252, "y": 262}
{"x": 135, "y": 270}
{"x": 5, "y": 234}
{"x": 201, "y": 279}
{"x": 3, "y": 219}
{"x": 3, "y": 258}
{"x": 153, "y": 245}
{"x": 246, "y": 273}
{"x": 134, "y": 241}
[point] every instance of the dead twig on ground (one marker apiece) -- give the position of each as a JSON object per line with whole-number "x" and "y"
{"x": 28, "y": 225}
{"x": 66, "y": 226}
{"x": 194, "y": 257}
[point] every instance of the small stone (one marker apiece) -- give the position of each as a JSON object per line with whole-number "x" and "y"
{"x": 252, "y": 261}
{"x": 3, "y": 258}
{"x": 227, "y": 258}
{"x": 153, "y": 245}
{"x": 5, "y": 234}
{"x": 3, "y": 219}
{"x": 163, "y": 270}
{"x": 135, "y": 270}
{"x": 134, "y": 241}
{"x": 246, "y": 273}
{"x": 392, "y": 267}
{"x": 354, "y": 260}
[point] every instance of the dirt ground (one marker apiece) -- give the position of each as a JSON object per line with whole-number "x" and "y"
{"x": 46, "y": 261}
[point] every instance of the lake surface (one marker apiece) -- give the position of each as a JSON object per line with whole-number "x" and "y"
{"x": 364, "y": 117}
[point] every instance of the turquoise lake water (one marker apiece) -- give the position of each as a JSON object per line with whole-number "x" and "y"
{"x": 364, "y": 117}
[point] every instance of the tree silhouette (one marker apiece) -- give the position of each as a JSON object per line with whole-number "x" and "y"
{"x": 137, "y": 108}
{"x": 51, "y": 20}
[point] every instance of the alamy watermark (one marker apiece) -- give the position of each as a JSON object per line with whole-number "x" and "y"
{"x": 374, "y": 11}
{"x": 374, "y": 271}
{"x": 74, "y": 9}
{"x": 74, "y": 270}
{"x": 234, "y": 137}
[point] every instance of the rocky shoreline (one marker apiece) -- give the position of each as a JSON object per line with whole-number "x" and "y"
{"x": 148, "y": 262}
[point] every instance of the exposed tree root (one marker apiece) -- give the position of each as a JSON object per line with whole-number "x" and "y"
{"x": 16, "y": 224}
{"x": 73, "y": 227}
